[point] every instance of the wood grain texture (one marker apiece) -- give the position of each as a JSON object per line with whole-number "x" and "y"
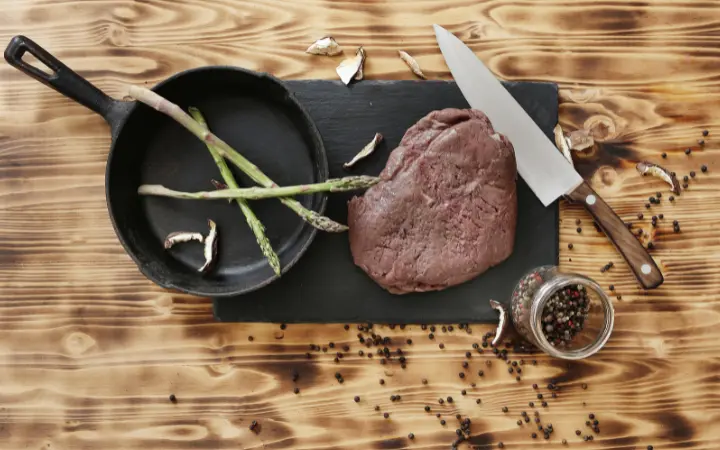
{"x": 90, "y": 350}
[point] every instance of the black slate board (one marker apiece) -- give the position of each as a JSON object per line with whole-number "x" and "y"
{"x": 325, "y": 286}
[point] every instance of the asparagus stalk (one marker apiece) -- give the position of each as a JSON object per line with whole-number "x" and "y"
{"x": 172, "y": 110}
{"x": 253, "y": 222}
{"x": 257, "y": 193}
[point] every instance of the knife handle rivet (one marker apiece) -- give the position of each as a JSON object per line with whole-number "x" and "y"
{"x": 645, "y": 268}
{"x": 590, "y": 199}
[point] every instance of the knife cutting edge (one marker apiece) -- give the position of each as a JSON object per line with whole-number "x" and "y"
{"x": 540, "y": 164}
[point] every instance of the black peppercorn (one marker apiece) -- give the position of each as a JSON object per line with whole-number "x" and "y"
{"x": 386, "y": 415}
{"x": 692, "y": 174}
{"x": 441, "y": 401}
{"x": 519, "y": 422}
{"x": 501, "y": 445}
{"x": 685, "y": 185}
{"x": 449, "y": 399}
{"x": 701, "y": 142}
{"x": 564, "y": 441}
{"x": 534, "y": 435}
{"x": 505, "y": 409}
{"x": 650, "y": 246}
{"x": 664, "y": 155}
{"x": 703, "y": 168}
{"x": 649, "y": 447}
{"x": 463, "y": 392}
{"x": 544, "y": 404}
{"x": 688, "y": 151}
{"x": 250, "y": 338}
{"x": 296, "y": 390}
{"x": 461, "y": 375}
{"x": 478, "y": 401}
{"x": 442, "y": 422}
{"x": 441, "y": 345}
{"x": 173, "y": 398}
{"x": 584, "y": 386}
{"x": 578, "y": 432}
{"x": 539, "y": 396}
{"x": 647, "y": 205}
{"x": 531, "y": 404}
{"x": 686, "y": 179}
{"x": 431, "y": 336}
{"x": 357, "y": 399}
{"x": 427, "y": 408}
{"x": 481, "y": 373}
{"x": 570, "y": 246}
{"x": 579, "y": 230}
{"x": 535, "y": 386}
{"x": 661, "y": 216}
{"x": 671, "y": 198}
{"x": 424, "y": 381}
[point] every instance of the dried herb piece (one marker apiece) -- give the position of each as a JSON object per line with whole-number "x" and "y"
{"x": 182, "y": 236}
{"x": 351, "y": 68}
{"x": 502, "y": 323}
{"x": 326, "y": 46}
{"x": 411, "y": 63}
{"x": 656, "y": 170}
{"x": 210, "y": 247}
{"x": 366, "y": 151}
{"x": 562, "y": 143}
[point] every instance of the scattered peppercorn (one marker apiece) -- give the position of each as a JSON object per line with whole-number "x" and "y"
{"x": 250, "y": 338}
{"x": 703, "y": 168}
{"x": 579, "y": 230}
{"x": 701, "y": 142}
{"x": 671, "y": 198}
{"x": 173, "y": 398}
{"x": 688, "y": 151}
{"x": 411, "y": 436}
{"x": 664, "y": 155}
{"x": 386, "y": 415}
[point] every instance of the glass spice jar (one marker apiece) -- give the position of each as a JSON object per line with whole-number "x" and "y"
{"x": 565, "y": 315}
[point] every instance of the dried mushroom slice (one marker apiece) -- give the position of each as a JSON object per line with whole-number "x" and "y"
{"x": 351, "y": 68}
{"x": 182, "y": 236}
{"x": 326, "y": 46}
{"x": 562, "y": 143}
{"x": 210, "y": 250}
{"x": 656, "y": 170}
{"x": 366, "y": 151}
{"x": 502, "y": 322}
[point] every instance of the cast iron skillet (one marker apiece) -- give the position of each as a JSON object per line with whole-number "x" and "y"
{"x": 252, "y": 112}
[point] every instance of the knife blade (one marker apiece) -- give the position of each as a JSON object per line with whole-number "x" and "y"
{"x": 540, "y": 164}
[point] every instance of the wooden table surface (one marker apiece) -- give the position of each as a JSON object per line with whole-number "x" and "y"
{"x": 90, "y": 350}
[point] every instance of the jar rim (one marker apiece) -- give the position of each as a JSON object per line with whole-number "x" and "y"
{"x": 543, "y": 294}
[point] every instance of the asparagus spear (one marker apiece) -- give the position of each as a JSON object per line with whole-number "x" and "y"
{"x": 172, "y": 110}
{"x": 257, "y": 193}
{"x": 253, "y": 222}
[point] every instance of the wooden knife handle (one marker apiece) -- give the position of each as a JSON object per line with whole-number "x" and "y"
{"x": 642, "y": 265}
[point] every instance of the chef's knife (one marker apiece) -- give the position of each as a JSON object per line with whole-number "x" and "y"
{"x": 539, "y": 162}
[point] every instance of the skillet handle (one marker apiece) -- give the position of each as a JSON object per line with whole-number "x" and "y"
{"x": 62, "y": 78}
